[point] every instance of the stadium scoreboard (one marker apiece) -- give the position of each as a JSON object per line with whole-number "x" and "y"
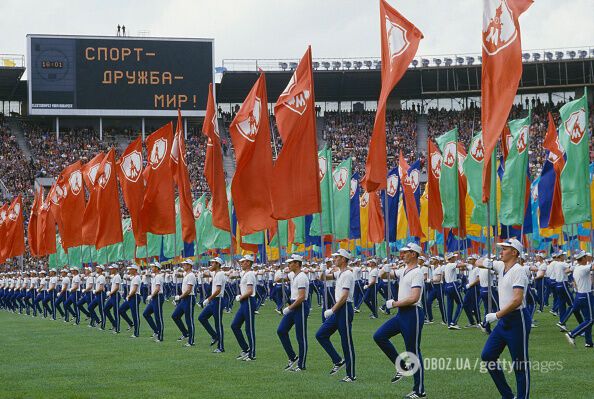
{"x": 118, "y": 76}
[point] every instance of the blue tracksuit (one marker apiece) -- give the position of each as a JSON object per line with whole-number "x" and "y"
{"x": 342, "y": 321}
{"x": 297, "y": 318}
{"x": 246, "y": 314}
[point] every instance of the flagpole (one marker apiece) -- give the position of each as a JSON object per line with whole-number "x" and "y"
{"x": 387, "y": 238}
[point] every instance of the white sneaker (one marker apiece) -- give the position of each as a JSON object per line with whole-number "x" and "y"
{"x": 570, "y": 339}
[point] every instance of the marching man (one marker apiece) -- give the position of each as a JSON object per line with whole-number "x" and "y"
{"x": 185, "y": 304}
{"x": 246, "y": 312}
{"x": 98, "y": 299}
{"x": 296, "y": 315}
{"x": 154, "y": 303}
{"x": 340, "y": 317}
{"x": 113, "y": 299}
{"x": 584, "y": 300}
{"x": 132, "y": 302}
{"x": 513, "y": 321}
{"x": 408, "y": 321}
{"x": 213, "y": 305}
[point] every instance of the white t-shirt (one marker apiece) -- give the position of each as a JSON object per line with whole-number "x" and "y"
{"x": 66, "y": 282}
{"x": 345, "y": 281}
{"x": 136, "y": 281}
{"x": 157, "y": 281}
{"x": 484, "y": 277}
{"x": 450, "y": 272}
{"x": 357, "y": 272}
{"x": 473, "y": 274}
{"x": 219, "y": 280}
{"x": 409, "y": 279}
{"x": 248, "y": 278}
{"x": 581, "y": 276}
{"x": 53, "y": 281}
{"x": 373, "y": 274}
{"x": 42, "y": 283}
{"x": 298, "y": 282}
{"x": 515, "y": 277}
{"x": 76, "y": 280}
{"x": 559, "y": 272}
{"x": 189, "y": 280}
{"x": 116, "y": 279}
{"x": 278, "y": 275}
{"x": 100, "y": 280}
{"x": 34, "y": 282}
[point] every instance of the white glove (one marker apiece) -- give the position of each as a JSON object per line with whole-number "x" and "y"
{"x": 467, "y": 286}
{"x": 390, "y": 303}
{"x": 237, "y": 298}
{"x": 365, "y": 286}
{"x": 488, "y": 263}
{"x": 286, "y": 311}
{"x": 491, "y": 317}
{"x": 328, "y": 313}
{"x": 176, "y": 299}
{"x": 323, "y": 267}
{"x": 149, "y": 299}
{"x": 205, "y": 302}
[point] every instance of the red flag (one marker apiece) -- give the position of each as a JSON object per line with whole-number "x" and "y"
{"x": 250, "y": 189}
{"x": 501, "y": 72}
{"x": 376, "y": 229}
{"x": 556, "y": 156}
{"x": 89, "y": 225}
{"x": 400, "y": 40}
{"x": 129, "y": 171}
{"x": 433, "y": 194}
{"x": 410, "y": 204}
{"x": 3, "y": 236}
{"x": 296, "y": 188}
{"x": 14, "y": 229}
{"x": 213, "y": 166}
{"x": 157, "y": 215}
{"x": 109, "y": 220}
{"x": 32, "y": 226}
{"x": 46, "y": 227}
{"x": 56, "y": 195}
{"x": 506, "y": 141}
{"x": 73, "y": 205}
{"x": 182, "y": 179}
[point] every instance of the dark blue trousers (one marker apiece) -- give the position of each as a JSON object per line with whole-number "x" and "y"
{"x": 214, "y": 309}
{"x": 342, "y": 321}
{"x": 245, "y": 314}
{"x": 297, "y": 318}
{"x": 185, "y": 307}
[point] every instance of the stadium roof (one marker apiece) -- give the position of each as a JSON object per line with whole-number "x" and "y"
{"x": 10, "y": 78}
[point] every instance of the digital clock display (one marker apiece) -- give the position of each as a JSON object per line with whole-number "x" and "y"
{"x": 52, "y": 64}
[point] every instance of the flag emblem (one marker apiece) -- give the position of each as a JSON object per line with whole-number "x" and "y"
{"x": 158, "y": 152}
{"x": 450, "y": 154}
{"x": 354, "y": 184}
{"x": 75, "y": 182}
{"x": 132, "y": 166}
{"x": 248, "y": 128}
{"x": 92, "y": 174}
{"x": 198, "y": 210}
{"x": 436, "y": 164}
{"x": 499, "y": 30}
{"x": 14, "y": 213}
{"x": 364, "y": 200}
{"x": 397, "y": 42}
{"x": 477, "y": 150}
{"x": 2, "y": 216}
{"x": 412, "y": 180}
{"x": 58, "y": 194}
{"x": 323, "y": 167}
{"x": 104, "y": 178}
{"x": 575, "y": 126}
{"x": 521, "y": 144}
{"x": 461, "y": 159}
{"x": 340, "y": 178}
{"x": 297, "y": 103}
{"x": 392, "y": 185}
{"x": 215, "y": 125}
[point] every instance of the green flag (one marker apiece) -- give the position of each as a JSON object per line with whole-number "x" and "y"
{"x": 341, "y": 198}
{"x": 129, "y": 241}
{"x": 574, "y": 137}
{"x": 213, "y": 238}
{"x": 325, "y": 165}
{"x": 283, "y": 232}
{"x": 199, "y": 207}
{"x": 448, "y": 179}
{"x": 473, "y": 169}
{"x": 299, "y": 235}
{"x": 513, "y": 182}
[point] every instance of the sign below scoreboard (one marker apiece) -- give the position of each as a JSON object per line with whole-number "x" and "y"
{"x": 118, "y": 76}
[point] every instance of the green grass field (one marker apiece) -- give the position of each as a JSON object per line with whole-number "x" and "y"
{"x": 50, "y": 359}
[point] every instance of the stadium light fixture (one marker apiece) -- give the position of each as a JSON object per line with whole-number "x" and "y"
{"x": 335, "y": 65}
{"x": 424, "y": 62}
{"x": 571, "y": 54}
{"x": 415, "y": 63}
{"x": 283, "y": 65}
{"x": 582, "y": 53}
{"x": 526, "y": 57}
{"x": 326, "y": 65}
{"x": 357, "y": 64}
{"x": 437, "y": 61}
{"x": 347, "y": 64}
{"x": 559, "y": 55}
{"x": 448, "y": 61}
{"x": 459, "y": 60}
{"x": 536, "y": 56}
{"x": 315, "y": 65}
{"x": 549, "y": 56}
{"x": 293, "y": 65}
{"x": 368, "y": 64}
{"x": 469, "y": 60}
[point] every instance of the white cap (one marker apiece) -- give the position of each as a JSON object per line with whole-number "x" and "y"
{"x": 371, "y": 260}
{"x": 344, "y": 253}
{"x": 472, "y": 256}
{"x": 328, "y": 260}
{"x": 113, "y": 266}
{"x": 450, "y": 255}
{"x": 155, "y": 264}
{"x": 218, "y": 260}
{"x": 411, "y": 246}
{"x": 187, "y": 262}
{"x": 248, "y": 257}
{"x": 133, "y": 266}
{"x": 580, "y": 255}
{"x": 295, "y": 258}
{"x": 100, "y": 267}
{"x": 513, "y": 243}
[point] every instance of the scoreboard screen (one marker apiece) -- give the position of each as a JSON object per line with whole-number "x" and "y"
{"x": 118, "y": 76}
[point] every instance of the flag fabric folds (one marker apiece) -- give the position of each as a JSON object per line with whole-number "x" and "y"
{"x": 435, "y": 217}
{"x": 341, "y": 199}
{"x": 73, "y": 205}
{"x": 448, "y": 178}
{"x": 129, "y": 172}
{"x": 109, "y": 221}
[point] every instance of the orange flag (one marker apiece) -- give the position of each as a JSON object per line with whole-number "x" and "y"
{"x": 412, "y": 213}
{"x": 46, "y": 227}
{"x": 3, "y": 227}
{"x": 182, "y": 179}
{"x": 296, "y": 188}
{"x": 501, "y": 72}
{"x": 32, "y": 226}
{"x": 129, "y": 168}
{"x": 551, "y": 143}
{"x": 14, "y": 229}
{"x": 376, "y": 231}
{"x": 433, "y": 194}
{"x": 400, "y": 40}
{"x": 213, "y": 166}
{"x": 250, "y": 189}
{"x": 109, "y": 220}
{"x": 56, "y": 195}
{"x": 157, "y": 215}
{"x": 89, "y": 226}
{"x": 73, "y": 205}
